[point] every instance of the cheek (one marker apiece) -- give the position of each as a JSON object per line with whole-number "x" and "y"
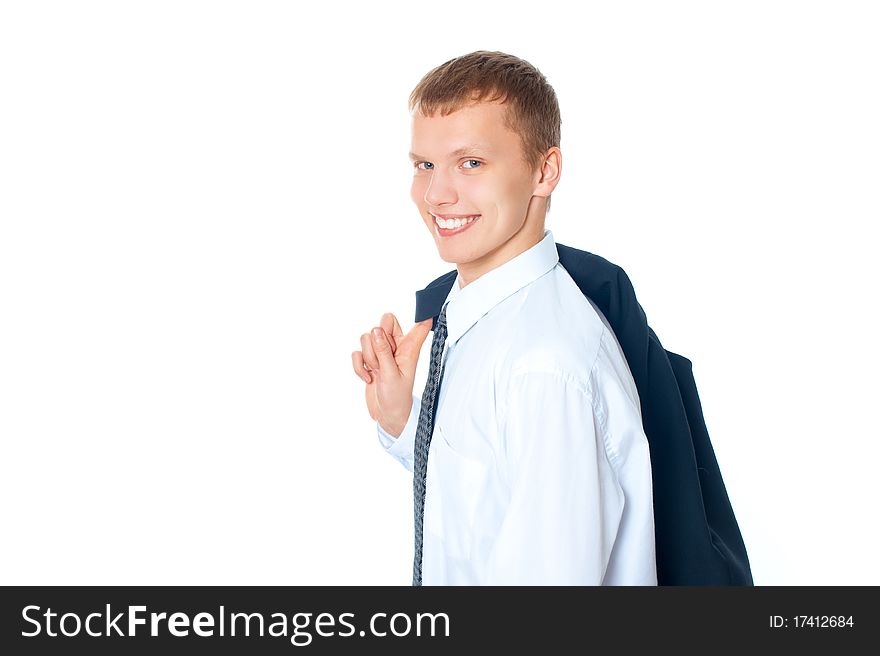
{"x": 477, "y": 191}
{"x": 516, "y": 187}
{"x": 417, "y": 190}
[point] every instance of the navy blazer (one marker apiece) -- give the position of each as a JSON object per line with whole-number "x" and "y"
{"x": 698, "y": 541}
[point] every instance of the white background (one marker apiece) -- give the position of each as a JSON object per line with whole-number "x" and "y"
{"x": 204, "y": 204}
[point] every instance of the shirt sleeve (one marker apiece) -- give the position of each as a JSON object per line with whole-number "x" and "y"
{"x": 565, "y": 501}
{"x": 402, "y": 447}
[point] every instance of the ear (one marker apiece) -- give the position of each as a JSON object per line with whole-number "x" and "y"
{"x": 547, "y": 177}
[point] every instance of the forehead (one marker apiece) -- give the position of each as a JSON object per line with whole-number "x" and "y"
{"x": 475, "y": 127}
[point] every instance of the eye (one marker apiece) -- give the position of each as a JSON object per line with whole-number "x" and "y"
{"x": 476, "y": 161}
{"x": 418, "y": 165}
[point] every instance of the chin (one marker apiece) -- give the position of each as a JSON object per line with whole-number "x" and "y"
{"x": 447, "y": 256}
{"x": 456, "y": 256}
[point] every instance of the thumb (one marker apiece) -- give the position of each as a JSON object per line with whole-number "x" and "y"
{"x": 408, "y": 350}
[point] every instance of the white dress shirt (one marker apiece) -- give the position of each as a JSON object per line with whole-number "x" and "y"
{"x": 539, "y": 471}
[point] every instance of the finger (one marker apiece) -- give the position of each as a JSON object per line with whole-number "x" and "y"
{"x": 357, "y": 361}
{"x": 370, "y": 359}
{"x": 392, "y": 329}
{"x": 382, "y": 349}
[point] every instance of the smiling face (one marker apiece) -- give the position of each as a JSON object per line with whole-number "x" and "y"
{"x": 468, "y": 164}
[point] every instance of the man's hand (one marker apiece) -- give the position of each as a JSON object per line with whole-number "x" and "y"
{"x": 387, "y": 364}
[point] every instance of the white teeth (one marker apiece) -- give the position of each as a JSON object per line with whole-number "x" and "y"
{"x": 452, "y": 223}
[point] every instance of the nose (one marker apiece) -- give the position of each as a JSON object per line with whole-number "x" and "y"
{"x": 440, "y": 190}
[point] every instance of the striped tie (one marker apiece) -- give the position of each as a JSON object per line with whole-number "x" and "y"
{"x": 423, "y": 436}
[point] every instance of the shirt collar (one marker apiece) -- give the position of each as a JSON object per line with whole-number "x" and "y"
{"x": 468, "y": 305}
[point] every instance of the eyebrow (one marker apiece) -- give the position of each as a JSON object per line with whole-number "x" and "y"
{"x": 458, "y": 152}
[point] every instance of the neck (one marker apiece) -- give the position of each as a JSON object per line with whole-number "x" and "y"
{"x": 519, "y": 243}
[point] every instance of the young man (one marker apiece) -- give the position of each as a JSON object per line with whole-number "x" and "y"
{"x": 538, "y": 470}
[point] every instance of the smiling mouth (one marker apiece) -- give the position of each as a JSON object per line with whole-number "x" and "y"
{"x": 449, "y": 227}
